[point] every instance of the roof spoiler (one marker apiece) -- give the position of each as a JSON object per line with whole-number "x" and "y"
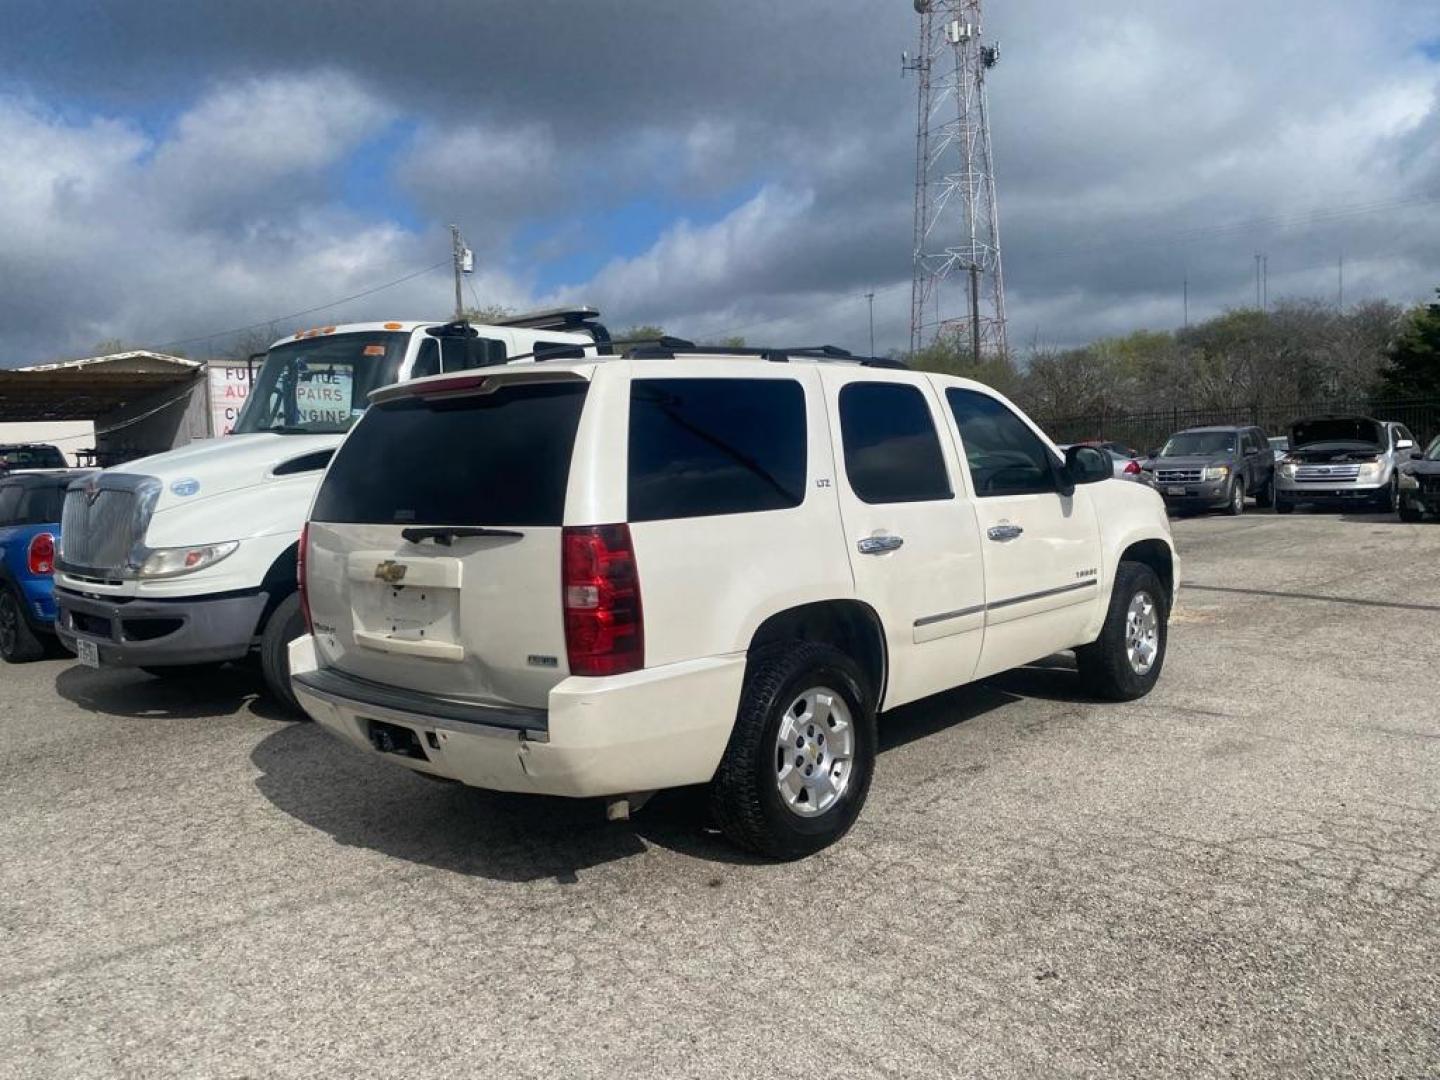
{"x": 577, "y": 320}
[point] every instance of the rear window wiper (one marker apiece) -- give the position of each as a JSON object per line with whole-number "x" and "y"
{"x": 445, "y": 536}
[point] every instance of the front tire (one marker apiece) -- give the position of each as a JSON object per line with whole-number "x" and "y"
{"x": 285, "y": 625}
{"x": 1390, "y": 497}
{"x": 798, "y": 766}
{"x": 1236, "y": 506}
{"x": 1409, "y": 513}
{"x": 19, "y": 644}
{"x": 1284, "y": 506}
{"x": 1124, "y": 662}
{"x": 1266, "y": 498}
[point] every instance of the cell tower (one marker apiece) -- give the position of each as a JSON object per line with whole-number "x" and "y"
{"x": 957, "y": 224}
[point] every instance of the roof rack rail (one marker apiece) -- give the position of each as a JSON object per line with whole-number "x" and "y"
{"x": 668, "y": 348}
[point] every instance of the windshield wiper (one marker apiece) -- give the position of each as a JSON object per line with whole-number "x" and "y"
{"x": 445, "y": 535}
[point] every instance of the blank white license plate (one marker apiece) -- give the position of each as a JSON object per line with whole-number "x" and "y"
{"x": 88, "y": 652}
{"x": 1175, "y": 491}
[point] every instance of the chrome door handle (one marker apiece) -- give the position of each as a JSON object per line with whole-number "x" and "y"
{"x": 1002, "y": 533}
{"x": 879, "y": 545}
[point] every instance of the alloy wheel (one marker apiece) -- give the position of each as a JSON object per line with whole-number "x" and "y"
{"x": 1142, "y": 633}
{"x": 814, "y": 752}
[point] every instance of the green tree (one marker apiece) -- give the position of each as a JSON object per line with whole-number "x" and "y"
{"x": 949, "y": 354}
{"x": 487, "y": 314}
{"x": 1413, "y": 370}
{"x": 640, "y": 332}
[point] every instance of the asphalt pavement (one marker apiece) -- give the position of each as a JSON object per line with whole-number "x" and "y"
{"x": 1238, "y": 876}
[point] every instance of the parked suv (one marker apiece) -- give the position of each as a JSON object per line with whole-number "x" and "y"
{"x": 685, "y": 566}
{"x": 1420, "y": 484}
{"x": 1213, "y": 468}
{"x": 29, "y": 527}
{"x": 1343, "y": 461}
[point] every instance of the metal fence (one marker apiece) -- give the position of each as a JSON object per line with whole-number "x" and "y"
{"x": 1145, "y": 430}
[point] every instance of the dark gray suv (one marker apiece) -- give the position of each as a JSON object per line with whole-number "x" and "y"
{"x": 1214, "y": 468}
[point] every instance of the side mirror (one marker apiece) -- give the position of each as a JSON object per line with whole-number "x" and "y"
{"x": 1154, "y": 452}
{"x": 1404, "y": 444}
{"x": 1416, "y": 455}
{"x": 1086, "y": 465}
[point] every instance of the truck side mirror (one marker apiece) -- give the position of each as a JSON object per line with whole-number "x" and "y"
{"x": 1086, "y": 465}
{"x": 1404, "y": 444}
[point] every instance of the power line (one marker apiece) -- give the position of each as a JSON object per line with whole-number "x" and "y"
{"x": 307, "y": 311}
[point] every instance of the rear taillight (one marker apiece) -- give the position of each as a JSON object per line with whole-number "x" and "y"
{"x": 302, "y": 559}
{"x": 41, "y": 555}
{"x": 604, "y": 627}
{"x": 1132, "y": 468}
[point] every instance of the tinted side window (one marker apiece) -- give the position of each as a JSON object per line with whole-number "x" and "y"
{"x": 10, "y": 503}
{"x": 41, "y": 505}
{"x": 501, "y": 458}
{"x": 700, "y": 447}
{"x": 1005, "y": 456}
{"x": 427, "y": 361}
{"x": 892, "y": 451}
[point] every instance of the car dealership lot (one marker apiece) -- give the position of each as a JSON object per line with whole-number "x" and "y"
{"x": 1237, "y": 875}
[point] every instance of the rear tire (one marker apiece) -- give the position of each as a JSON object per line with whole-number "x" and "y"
{"x": 1124, "y": 662}
{"x": 285, "y": 625}
{"x": 784, "y": 807}
{"x": 19, "y": 644}
{"x": 1410, "y": 513}
{"x": 1390, "y": 497}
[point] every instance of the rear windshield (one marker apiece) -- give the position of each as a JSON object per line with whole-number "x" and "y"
{"x": 1355, "y": 430}
{"x": 31, "y": 457}
{"x": 501, "y": 458}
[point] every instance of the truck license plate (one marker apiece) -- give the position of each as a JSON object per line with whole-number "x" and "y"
{"x": 1175, "y": 491}
{"x": 88, "y": 652}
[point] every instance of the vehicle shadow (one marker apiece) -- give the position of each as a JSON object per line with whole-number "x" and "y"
{"x": 126, "y": 692}
{"x": 362, "y": 801}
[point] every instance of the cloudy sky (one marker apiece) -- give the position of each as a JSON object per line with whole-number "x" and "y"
{"x": 172, "y": 169}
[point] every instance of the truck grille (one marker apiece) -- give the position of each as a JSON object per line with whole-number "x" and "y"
{"x": 1178, "y": 476}
{"x": 100, "y": 527}
{"x": 1327, "y": 474}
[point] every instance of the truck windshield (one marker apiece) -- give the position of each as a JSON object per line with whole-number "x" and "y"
{"x": 1199, "y": 444}
{"x": 319, "y": 386}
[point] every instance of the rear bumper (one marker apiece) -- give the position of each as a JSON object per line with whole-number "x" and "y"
{"x": 658, "y": 728}
{"x": 38, "y": 596}
{"x": 160, "y": 633}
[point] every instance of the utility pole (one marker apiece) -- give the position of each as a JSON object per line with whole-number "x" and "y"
{"x": 957, "y": 219}
{"x": 1265, "y": 277}
{"x": 870, "y": 298}
{"x": 459, "y": 256}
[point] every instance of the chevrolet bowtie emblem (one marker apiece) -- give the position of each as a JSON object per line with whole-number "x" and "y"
{"x": 391, "y": 572}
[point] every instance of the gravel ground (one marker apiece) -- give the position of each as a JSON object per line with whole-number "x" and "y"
{"x": 1239, "y": 876}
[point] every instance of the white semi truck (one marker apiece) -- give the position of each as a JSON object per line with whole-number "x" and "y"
{"x": 182, "y": 561}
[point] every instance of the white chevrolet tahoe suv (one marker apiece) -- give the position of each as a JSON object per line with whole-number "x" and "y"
{"x": 688, "y": 566}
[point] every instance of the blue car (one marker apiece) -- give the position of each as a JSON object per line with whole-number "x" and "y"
{"x": 30, "y": 505}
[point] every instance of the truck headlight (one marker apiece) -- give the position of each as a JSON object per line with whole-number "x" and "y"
{"x": 1371, "y": 472}
{"x": 1289, "y": 469}
{"x": 170, "y": 562}
{"x": 1217, "y": 472}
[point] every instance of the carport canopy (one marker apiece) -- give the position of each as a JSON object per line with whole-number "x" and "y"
{"x": 90, "y": 388}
